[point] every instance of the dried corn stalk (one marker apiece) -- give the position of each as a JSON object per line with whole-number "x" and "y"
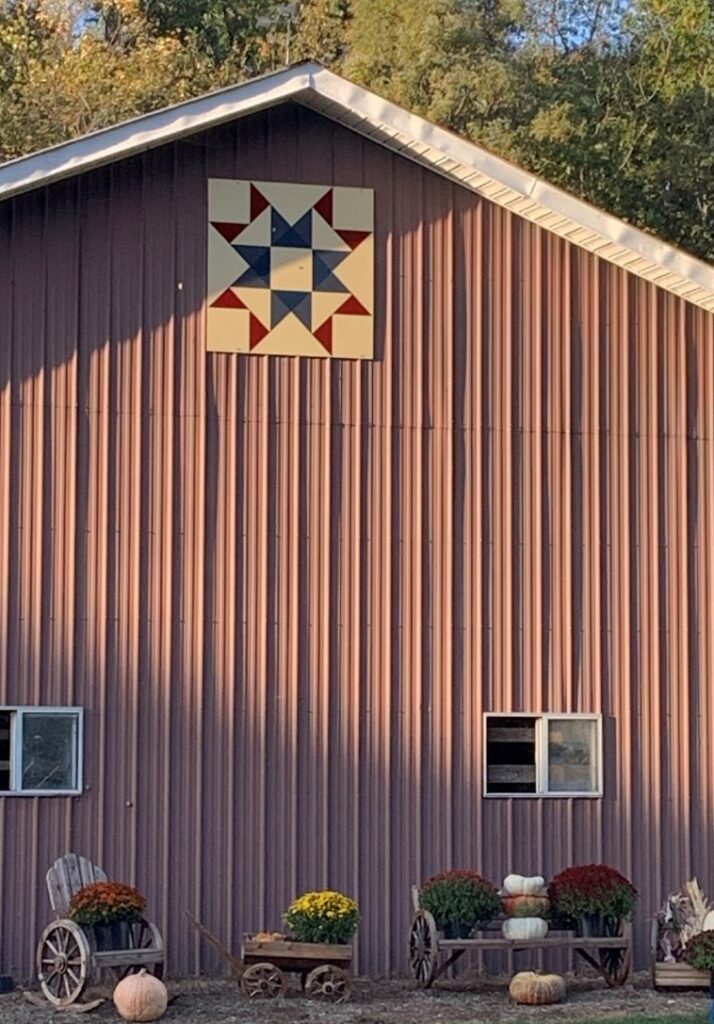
{"x": 700, "y": 909}
{"x": 682, "y": 916}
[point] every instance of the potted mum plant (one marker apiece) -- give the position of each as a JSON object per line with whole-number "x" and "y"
{"x": 699, "y": 954}
{"x": 326, "y": 916}
{"x": 318, "y": 947}
{"x": 593, "y": 898}
{"x": 459, "y": 901}
{"x": 108, "y": 909}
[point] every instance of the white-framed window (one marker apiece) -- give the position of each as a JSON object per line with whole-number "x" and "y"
{"x": 542, "y": 755}
{"x": 40, "y": 751}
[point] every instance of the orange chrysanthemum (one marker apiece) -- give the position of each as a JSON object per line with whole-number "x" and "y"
{"x": 103, "y": 902}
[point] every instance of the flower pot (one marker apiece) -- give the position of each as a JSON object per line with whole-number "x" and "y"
{"x": 112, "y": 935}
{"x": 589, "y": 925}
{"x": 457, "y": 930}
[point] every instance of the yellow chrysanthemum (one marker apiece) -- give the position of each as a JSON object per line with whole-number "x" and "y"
{"x": 326, "y": 916}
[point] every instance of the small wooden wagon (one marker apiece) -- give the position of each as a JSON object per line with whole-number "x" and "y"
{"x": 323, "y": 968}
{"x": 67, "y": 953}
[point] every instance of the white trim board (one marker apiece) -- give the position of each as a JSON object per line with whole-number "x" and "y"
{"x": 395, "y": 128}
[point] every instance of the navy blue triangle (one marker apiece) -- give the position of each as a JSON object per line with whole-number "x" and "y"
{"x": 323, "y": 264}
{"x": 258, "y": 259}
{"x": 299, "y": 303}
{"x": 303, "y": 311}
{"x": 296, "y": 236}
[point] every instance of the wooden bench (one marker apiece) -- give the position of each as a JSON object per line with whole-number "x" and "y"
{"x": 430, "y": 954}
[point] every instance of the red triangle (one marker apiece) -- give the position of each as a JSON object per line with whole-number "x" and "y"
{"x": 229, "y": 230}
{"x": 257, "y": 331}
{"x": 228, "y": 300}
{"x": 258, "y": 203}
{"x": 324, "y": 207}
{"x": 353, "y": 238}
{"x": 324, "y": 335}
{"x": 352, "y": 307}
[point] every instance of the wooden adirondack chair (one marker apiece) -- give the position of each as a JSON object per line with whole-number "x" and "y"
{"x": 67, "y": 955}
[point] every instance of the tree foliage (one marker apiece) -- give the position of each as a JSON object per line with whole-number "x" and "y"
{"x": 610, "y": 99}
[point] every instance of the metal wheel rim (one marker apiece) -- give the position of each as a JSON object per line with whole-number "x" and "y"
{"x": 263, "y": 981}
{"x": 62, "y": 962}
{"x": 328, "y": 984}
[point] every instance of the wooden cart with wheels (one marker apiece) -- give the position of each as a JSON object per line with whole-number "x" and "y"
{"x": 67, "y": 954}
{"x": 323, "y": 968}
{"x": 430, "y": 954}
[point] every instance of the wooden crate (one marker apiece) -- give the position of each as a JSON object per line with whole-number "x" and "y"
{"x": 679, "y": 976}
{"x": 285, "y": 952}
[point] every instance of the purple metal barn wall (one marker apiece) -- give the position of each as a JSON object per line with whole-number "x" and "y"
{"x": 286, "y": 590}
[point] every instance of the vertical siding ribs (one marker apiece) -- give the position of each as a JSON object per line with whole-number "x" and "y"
{"x": 286, "y": 591}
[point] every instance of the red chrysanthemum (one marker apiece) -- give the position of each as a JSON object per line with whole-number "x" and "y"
{"x": 591, "y": 889}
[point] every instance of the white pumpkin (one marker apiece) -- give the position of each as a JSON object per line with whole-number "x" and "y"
{"x": 524, "y": 885}
{"x": 141, "y": 997}
{"x": 513, "y": 885}
{"x": 524, "y": 928}
{"x": 534, "y": 885}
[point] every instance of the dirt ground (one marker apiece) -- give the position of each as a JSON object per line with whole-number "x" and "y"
{"x": 390, "y": 1002}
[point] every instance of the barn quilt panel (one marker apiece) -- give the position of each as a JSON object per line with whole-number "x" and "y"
{"x": 290, "y": 269}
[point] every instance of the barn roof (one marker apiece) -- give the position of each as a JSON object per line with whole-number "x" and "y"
{"x": 407, "y": 134}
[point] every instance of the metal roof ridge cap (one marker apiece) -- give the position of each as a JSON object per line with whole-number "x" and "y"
{"x": 148, "y": 130}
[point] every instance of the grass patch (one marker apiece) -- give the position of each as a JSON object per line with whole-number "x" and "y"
{"x": 670, "y": 1018}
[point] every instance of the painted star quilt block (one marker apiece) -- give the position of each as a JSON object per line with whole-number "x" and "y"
{"x": 290, "y": 269}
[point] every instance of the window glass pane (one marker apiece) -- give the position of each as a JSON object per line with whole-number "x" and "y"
{"x": 5, "y": 724}
{"x": 510, "y": 755}
{"x": 572, "y": 755}
{"x": 49, "y": 751}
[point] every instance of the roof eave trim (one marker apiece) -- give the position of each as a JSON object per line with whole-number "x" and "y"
{"x": 517, "y": 188}
{"x": 140, "y": 134}
{"x": 455, "y": 158}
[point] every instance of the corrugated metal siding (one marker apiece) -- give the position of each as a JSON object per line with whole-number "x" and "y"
{"x": 287, "y": 590}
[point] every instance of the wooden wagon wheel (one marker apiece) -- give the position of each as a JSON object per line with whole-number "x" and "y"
{"x": 614, "y": 966}
{"x": 423, "y": 948}
{"x": 63, "y": 962}
{"x": 143, "y": 935}
{"x": 328, "y": 984}
{"x": 263, "y": 981}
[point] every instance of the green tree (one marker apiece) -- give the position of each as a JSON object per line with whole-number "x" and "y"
{"x": 64, "y": 73}
{"x": 446, "y": 59}
{"x": 322, "y": 31}
{"x": 610, "y": 99}
{"x": 629, "y": 124}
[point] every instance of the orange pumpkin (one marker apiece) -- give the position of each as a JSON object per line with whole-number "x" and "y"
{"x": 525, "y": 906}
{"x": 536, "y": 989}
{"x": 141, "y": 997}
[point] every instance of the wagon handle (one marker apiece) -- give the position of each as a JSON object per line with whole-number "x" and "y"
{"x": 235, "y": 963}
